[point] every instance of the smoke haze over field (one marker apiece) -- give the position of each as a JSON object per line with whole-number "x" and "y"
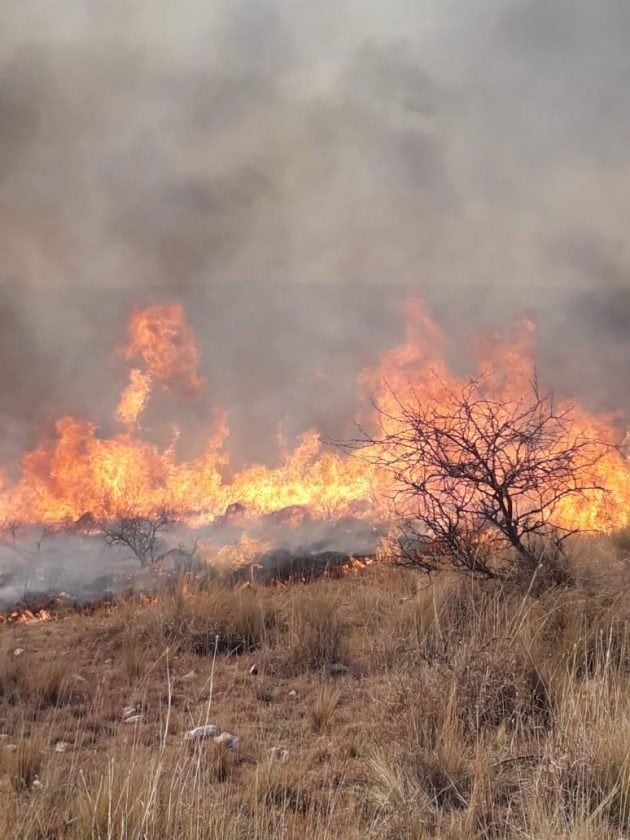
{"x": 291, "y": 172}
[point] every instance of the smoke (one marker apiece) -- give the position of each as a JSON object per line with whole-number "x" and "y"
{"x": 290, "y": 172}
{"x": 83, "y": 568}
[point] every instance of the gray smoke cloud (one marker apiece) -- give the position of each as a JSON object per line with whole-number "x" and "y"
{"x": 291, "y": 172}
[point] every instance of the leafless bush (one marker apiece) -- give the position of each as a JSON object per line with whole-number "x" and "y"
{"x": 8, "y": 532}
{"x": 139, "y": 532}
{"x": 479, "y": 480}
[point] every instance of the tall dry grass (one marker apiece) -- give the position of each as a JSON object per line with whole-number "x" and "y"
{"x": 466, "y": 710}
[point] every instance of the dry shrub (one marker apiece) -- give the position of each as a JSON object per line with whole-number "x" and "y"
{"x": 412, "y": 777}
{"x": 280, "y": 786}
{"x": 621, "y": 540}
{"x": 443, "y": 614}
{"x": 47, "y": 683}
{"x": 589, "y": 633}
{"x": 324, "y": 707}
{"x": 390, "y": 785}
{"x": 373, "y": 607}
{"x": 316, "y": 631}
{"x": 22, "y": 765}
{"x": 135, "y": 657}
{"x": 111, "y": 802}
{"x": 10, "y": 675}
{"x": 217, "y": 618}
{"x": 592, "y": 773}
{"x": 249, "y": 618}
{"x": 498, "y": 685}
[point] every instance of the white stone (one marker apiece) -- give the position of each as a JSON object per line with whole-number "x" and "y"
{"x": 201, "y": 733}
{"x": 62, "y": 746}
{"x": 130, "y": 711}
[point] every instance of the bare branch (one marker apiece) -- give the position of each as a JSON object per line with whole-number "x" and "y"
{"x": 481, "y": 479}
{"x": 138, "y": 532}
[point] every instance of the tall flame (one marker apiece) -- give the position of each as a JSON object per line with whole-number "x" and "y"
{"x": 160, "y": 336}
{"x": 77, "y": 471}
{"x": 134, "y": 398}
{"x": 416, "y": 372}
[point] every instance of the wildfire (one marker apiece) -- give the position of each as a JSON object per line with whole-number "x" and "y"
{"x": 78, "y": 471}
{"x": 25, "y": 616}
{"x": 134, "y": 398}
{"x": 160, "y": 336}
{"x": 416, "y": 373}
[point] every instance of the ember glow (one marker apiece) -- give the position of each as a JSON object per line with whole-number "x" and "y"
{"x": 77, "y": 471}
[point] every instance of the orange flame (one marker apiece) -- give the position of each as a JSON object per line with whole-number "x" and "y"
{"x": 160, "y": 336}
{"x": 416, "y": 373}
{"x": 77, "y": 471}
{"x": 134, "y": 398}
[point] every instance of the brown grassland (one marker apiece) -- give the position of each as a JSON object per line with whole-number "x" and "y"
{"x": 466, "y": 710}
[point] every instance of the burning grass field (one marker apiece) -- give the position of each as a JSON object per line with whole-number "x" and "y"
{"x": 448, "y": 710}
{"x": 368, "y": 701}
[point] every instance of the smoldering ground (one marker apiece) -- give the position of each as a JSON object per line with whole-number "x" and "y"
{"x": 77, "y": 567}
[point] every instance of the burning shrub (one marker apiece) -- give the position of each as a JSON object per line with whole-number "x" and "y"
{"x": 484, "y": 480}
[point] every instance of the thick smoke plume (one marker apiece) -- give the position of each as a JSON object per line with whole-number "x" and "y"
{"x": 290, "y": 173}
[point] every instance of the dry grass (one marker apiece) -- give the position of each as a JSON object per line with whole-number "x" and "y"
{"x": 464, "y": 711}
{"x": 22, "y": 765}
{"x": 323, "y": 707}
{"x": 316, "y": 632}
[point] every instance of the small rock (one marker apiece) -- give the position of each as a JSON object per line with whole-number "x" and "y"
{"x": 108, "y": 661}
{"x": 62, "y": 746}
{"x": 253, "y": 670}
{"x": 201, "y": 733}
{"x": 130, "y": 711}
{"x": 36, "y": 785}
{"x": 189, "y": 676}
{"x": 337, "y": 669}
{"x": 293, "y": 694}
{"x": 18, "y": 652}
{"x": 133, "y": 719}
{"x": 278, "y": 753}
